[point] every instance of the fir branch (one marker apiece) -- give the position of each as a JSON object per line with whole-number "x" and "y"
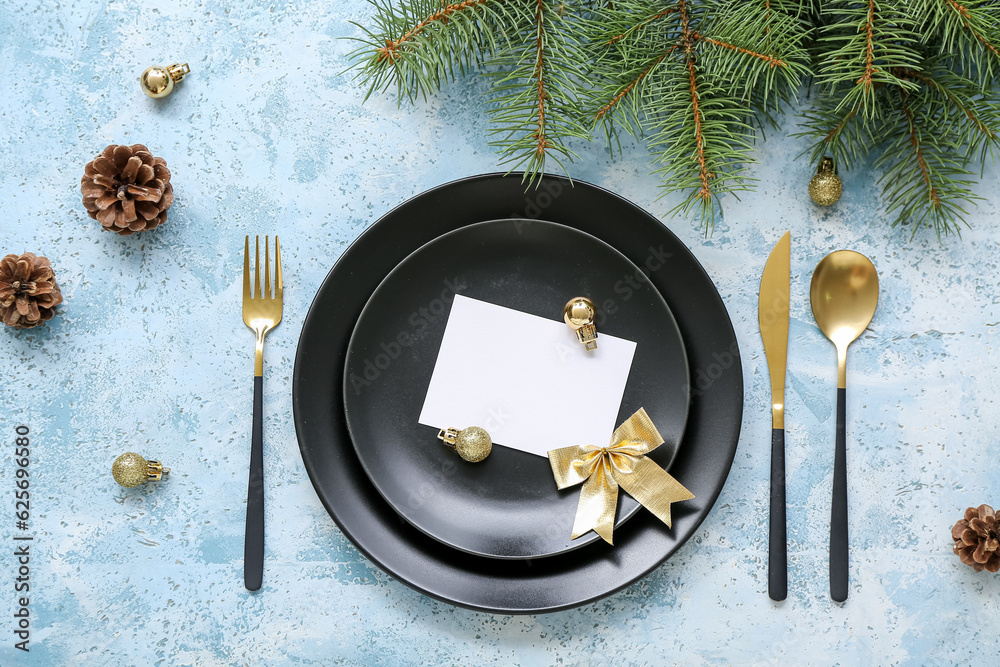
{"x": 930, "y": 105}
{"x": 631, "y": 85}
{"x": 912, "y": 81}
{"x": 841, "y": 133}
{"x": 978, "y": 19}
{"x": 688, "y": 78}
{"x": 923, "y": 184}
{"x": 869, "y": 31}
{"x": 443, "y": 15}
{"x": 689, "y": 37}
{"x": 973, "y": 118}
{"x": 642, "y": 24}
{"x": 417, "y": 45}
{"x": 863, "y": 44}
{"x": 535, "y": 109}
{"x": 769, "y": 59}
{"x": 769, "y": 77}
{"x": 628, "y": 46}
{"x": 932, "y": 194}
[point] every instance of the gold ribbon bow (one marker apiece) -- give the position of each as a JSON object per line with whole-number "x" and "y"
{"x": 622, "y": 463}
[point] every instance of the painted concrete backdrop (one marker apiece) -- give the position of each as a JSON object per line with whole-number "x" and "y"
{"x": 149, "y": 353}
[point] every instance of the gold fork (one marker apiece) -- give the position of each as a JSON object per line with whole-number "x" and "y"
{"x": 261, "y": 312}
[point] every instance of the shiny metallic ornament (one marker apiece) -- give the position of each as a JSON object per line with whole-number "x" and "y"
{"x": 131, "y": 470}
{"x": 473, "y": 443}
{"x": 579, "y": 314}
{"x": 826, "y": 187}
{"x": 158, "y": 81}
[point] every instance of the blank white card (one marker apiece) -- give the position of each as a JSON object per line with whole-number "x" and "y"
{"x": 525, "y": 379}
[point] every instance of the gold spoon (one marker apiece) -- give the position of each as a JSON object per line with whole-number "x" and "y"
{"x": 844, "y": 295}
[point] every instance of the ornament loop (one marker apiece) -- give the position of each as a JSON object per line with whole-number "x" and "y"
{"x": 178, "y": 71}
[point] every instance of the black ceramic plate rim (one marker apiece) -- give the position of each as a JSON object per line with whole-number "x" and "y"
{"x": 590, "y": 537}
{"x": 644, "y": 544}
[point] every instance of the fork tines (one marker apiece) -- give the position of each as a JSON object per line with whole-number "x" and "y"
{"x": 267, "y": 293}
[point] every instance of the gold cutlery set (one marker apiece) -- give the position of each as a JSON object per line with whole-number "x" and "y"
{"x": 844, "y": 295}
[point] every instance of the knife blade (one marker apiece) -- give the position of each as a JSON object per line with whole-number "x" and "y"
{"x": 772, "y": 314}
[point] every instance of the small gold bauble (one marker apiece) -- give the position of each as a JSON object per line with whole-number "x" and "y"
{"x": 579, "y": 311}
{"x": 826, "y": 187}
{"x": 158, "y": 81}
{"x": 473, "y": 444}
{"x": 131, "y": 469}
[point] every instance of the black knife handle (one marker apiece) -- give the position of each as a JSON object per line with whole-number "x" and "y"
{"x": 838, "y": 513}
{"x": 253, "y": 554}
{"x": 777, "y": 552}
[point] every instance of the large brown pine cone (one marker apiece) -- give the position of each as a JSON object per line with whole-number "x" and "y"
{"x": 127, "y": 190}
{"x": 977, "y": 539}
{"x": 28, "y": 291}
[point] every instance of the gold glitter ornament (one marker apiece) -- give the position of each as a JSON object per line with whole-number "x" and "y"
{"x": 131, "y": 470}
{"x": 473, "y": 443}
{"x": 826, "y": 187}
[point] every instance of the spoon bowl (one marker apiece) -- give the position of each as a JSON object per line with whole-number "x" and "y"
{"x": 844, "y": 295}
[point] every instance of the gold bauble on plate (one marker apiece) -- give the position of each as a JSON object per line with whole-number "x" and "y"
{"x": 826, "y": 187}
{"x": 473, "y": 444}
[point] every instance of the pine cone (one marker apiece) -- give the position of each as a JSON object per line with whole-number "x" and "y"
{"x": 127, "y": 190}
{"x": 28, "y": 291}
{"x": 977, "y": 539}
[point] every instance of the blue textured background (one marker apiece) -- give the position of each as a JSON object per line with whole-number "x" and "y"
{"x": 149, "y": 354}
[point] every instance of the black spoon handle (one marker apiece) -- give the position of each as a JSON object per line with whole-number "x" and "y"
{"x": 838, "y": 514}
{"x": 253, "y": 554}
{"x": 777, "y": 553}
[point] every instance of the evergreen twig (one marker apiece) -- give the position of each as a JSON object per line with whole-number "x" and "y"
{"x": 915, "y": 81}
{"x": 911, "y": 81}
{"x": 689, "y": 79}
{"x": 535, "y": 109}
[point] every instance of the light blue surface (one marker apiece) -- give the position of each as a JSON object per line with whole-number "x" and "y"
{"x": 149, "y": 354}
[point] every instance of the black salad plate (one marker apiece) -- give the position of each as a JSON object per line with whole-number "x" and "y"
{"x": 499, "y": 585}
{"x": 506, "y": 506}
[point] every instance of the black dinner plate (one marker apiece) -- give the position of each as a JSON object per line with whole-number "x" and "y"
{"x": 507, "y": 506}
{"x": 489, "y": 584}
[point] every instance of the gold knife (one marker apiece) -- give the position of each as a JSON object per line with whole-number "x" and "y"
{"x": 772, "y": 313}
